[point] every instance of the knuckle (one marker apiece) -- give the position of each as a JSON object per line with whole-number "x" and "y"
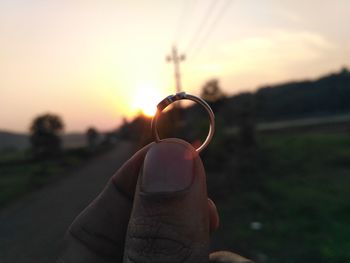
{"x": 154, "y": 240}
{"x": 95, "y": 239}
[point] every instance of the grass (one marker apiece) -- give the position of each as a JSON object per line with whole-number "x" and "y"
{"x": 19, "y": 175}
{"x": 302, "y": 202}
{"x": 298, "y": 189}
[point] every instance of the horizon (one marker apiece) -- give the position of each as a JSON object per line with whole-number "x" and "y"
{"x": 87, "y": 62}
{"x": 270, "y": 85}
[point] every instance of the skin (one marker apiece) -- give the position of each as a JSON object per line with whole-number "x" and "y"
{"x": 141, "y": 217}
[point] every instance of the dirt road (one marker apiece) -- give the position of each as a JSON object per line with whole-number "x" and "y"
{"x": 31, "y": 230}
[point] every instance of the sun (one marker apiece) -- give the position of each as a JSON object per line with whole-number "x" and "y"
{"x": 146, "y": 100}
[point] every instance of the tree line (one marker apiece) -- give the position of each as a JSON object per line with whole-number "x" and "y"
{"x": 325, "y": 96}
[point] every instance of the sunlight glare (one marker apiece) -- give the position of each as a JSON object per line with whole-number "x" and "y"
{"x": 146, "y": 100}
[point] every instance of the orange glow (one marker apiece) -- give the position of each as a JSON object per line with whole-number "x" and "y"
{"x": 91, "y": 67}
{"x": 146, "y": 100}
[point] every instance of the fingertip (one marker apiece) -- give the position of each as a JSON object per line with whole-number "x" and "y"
{"x": 125, "y": 179}
{"x": 189, "y": 146}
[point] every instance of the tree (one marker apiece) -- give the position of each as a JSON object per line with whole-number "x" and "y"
{"x": 211, "y": 91}
{"x": 92, "y": 138}
{"x": 45, "y": 135}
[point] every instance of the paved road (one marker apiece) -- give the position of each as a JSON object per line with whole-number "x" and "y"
{"x": 31, "y": 230}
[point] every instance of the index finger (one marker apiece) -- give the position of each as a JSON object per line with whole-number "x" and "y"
{"x": 98, "y": 233}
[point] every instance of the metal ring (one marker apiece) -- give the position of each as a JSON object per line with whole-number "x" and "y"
{"x": 183, "y": 96}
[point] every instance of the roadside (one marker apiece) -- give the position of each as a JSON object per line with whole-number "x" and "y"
{"x": 32, "y": 228}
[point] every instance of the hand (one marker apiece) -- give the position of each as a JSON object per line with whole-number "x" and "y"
{"x": 154, "y": 209}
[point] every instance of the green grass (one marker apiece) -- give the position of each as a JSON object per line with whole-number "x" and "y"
{"x": 9, "y": 155}
{"x": 303, "y": 202}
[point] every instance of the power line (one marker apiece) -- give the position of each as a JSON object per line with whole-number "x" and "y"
{"x": 212, "y": 26}
{"x": 187, "y": 9}
{"x": 176, "y": 58}
{"x": 202, "y": 25}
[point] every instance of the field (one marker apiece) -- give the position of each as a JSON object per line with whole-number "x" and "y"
{"x": 284, "y": 200}
{"x": 295, "y": 205}
{"x": 20, "y": 175}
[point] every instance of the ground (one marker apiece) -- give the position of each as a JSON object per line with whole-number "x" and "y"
{"x": 33, "y": 227}
{"x": 293, "y": 207}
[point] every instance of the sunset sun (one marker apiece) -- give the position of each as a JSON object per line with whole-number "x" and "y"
{"x": 146, "y": 101}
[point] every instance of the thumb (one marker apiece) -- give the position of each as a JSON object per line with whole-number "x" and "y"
{"x": 169, "y": 220}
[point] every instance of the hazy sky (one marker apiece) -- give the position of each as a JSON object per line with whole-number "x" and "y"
{"x": 88, "y": 60}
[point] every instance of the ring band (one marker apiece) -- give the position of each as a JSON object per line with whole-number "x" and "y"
{"x": 183, "y": 96}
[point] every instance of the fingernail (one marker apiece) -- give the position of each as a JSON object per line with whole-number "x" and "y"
{"x": 168, "y": 167}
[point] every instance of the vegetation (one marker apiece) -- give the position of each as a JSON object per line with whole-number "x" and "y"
{"x": 282, "y": 197}
{"x": 45, "y": 139}
{"x": 19, "y": 174}
{"x": 293, "y": 207}
{"x": 26, "y": 170}
{"x": 327, "y": 95}
{"x": 92, "y": 137}
{"x": 211, "y": 91}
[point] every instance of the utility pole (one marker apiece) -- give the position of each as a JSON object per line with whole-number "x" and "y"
{"x": 176, "y": 59}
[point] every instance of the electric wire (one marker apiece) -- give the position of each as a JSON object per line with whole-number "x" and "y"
{"x": 211, "y": 27}
{"x": 187, "y": 9}
{"x": 203, "y": 23}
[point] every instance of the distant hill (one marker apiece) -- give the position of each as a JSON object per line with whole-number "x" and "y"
{"x": 326, "y": 96}
{"x": 13, "y": 141}
{"x": 17, "y": 141}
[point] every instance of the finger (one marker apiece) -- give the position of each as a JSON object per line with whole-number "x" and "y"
{"x": 214, "y": 220}
{"x": 227, "y": 257}
{"x": 126, "y": 178}
{"x": 169, "y": 220}
{"x": 98, "y": 233}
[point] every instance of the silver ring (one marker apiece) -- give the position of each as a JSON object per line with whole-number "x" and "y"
{"x": 183, "y": 96}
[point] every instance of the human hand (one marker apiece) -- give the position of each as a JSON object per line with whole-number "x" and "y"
{"x": 154, "y": 209}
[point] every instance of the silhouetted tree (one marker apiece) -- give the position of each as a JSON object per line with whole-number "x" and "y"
{"x": 45, "y": 139}
{"x": 92, "y": 138}
{"x": 325, "y": 96}
{"x": 211, "y": 91}
{"x": 245, "y": 117}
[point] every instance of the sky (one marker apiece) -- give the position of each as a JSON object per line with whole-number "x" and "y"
{"x": 94, "y": 62}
